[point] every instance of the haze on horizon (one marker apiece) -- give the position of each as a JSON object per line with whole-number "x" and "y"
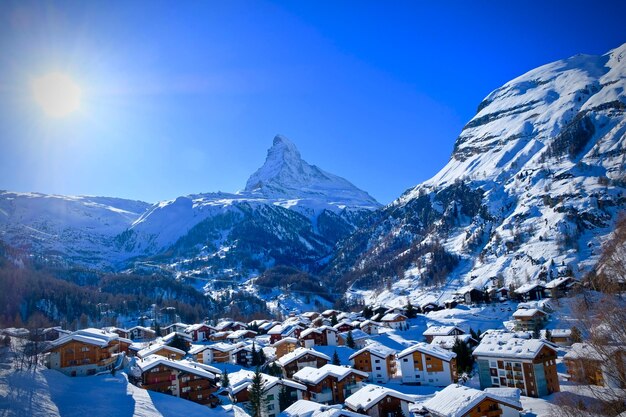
{"x": 169, "y": 101}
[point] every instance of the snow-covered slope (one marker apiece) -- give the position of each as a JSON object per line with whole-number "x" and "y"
{"x": 531, "y": 190}
{"x": 77, "y": 226}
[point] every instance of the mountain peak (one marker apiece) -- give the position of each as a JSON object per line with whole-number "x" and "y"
{"x": 286, "y": 175}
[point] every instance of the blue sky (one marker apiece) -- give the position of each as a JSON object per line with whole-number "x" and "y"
{"x": 185, "y": 97}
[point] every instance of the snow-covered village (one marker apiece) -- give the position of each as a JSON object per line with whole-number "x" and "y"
{"x": 182, "y": 233}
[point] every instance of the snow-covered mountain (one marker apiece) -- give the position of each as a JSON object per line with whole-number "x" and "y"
{"x": 294, "y": 214}
{"x": 532, "y": 189}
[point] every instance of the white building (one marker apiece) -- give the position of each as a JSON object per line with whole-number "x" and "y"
{"x": 427, "y": 365}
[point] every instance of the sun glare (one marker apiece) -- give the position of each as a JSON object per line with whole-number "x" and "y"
{"x": 56, "y": 93}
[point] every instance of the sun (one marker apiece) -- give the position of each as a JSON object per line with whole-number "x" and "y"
{"x": 56, "y": 93}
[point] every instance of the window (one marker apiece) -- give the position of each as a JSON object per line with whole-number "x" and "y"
{"x": 84, "y": 349}
{"x": 186, "y": 389}
{"x": 270, "y": 397}
{"x": 494, "y": 380}
{"x": 270, "y": 407}
{"x": 493, "y": 364}
{"x": 378, "y": 368}
{"x": 377, "y": 361}
{"x": 405, "y": 360}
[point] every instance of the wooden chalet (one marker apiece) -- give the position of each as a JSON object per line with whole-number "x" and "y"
{"x": 301, "y": 358}
{"x": 330, "y": 384}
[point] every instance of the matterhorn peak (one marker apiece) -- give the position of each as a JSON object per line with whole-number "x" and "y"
{"x": 286, "y": 175}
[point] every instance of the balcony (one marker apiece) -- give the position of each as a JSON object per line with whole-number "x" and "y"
{"x": 325, "y": 396}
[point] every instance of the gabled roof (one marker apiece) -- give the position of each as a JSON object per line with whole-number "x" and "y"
{"x": 197, "y": 326}
{"x": 375, "y": 349}
{"x": 92, "y": 336}
{"x": 393, "y": 317}
{"x": 447, "y": 342}
{"x": 457, "y": 400}
{"x": 310, "y": 375}
{"x": 298, "y": 353}
{"x": 151, "y": 361}
{"x": 558, "y": 281}
{"x": 528, "y": 312}
{"x": 240, "y": 333}
{"x": 309, "y": 331}
{"x": 243, "y": 379}
{"x": 222, "y": 347}
{"x": 195, "y": 349}
{"x": 142, "y": 328}
{"x": 357, "y": 334}
{"x": 427, "y": 349}
{"x": 286, "y": 340}
{"x": 529, "y": 287}
{"x": 441, "y": 330}
{"x": 156, "y": 347}
{"x": 370, "y": 395}
{"x": 306, "y": 408}
{"x": 170, "y": 336}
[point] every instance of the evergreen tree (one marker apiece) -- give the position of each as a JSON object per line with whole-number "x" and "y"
{"x": 464, "y": 358}
{"x": 548, "y": 335}
{"x": 255, "y": 355}
{"x": 410, "y": 310}
{"x": 284, "y": 398}
{"x": 178, "y": 343}
{"x": 350, "y": 340}
{"x": 257, "y": 395}
{"x": 367, "y": 312}
{"x": 261, "y": 357}
{"x": 576, "y": 336}
{"x": 473, "y": 334}
{"x": 157, "y": 329}
{"x": 333, "y": 320}
{"x": 225, "y": 381}
{"x": 336, "y": 360}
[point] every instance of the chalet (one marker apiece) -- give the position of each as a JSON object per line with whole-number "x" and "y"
{"x": 265, "y": 327}
{"x": 531, "y": 292}
{"x": 52, "y": 333}
{"x": 200, "y": 332}
{"x": 301, "y": 358}
{"x": 447, "y": 342}
{"x": 199, "y": 353}
{"x": 318, "y": 336}
{"x": 310, "y": 315}
{"x": 329, "y": 313}
{"x": 242, "y": 355}
{"x": 227, "y": 325}
{"x": 460, "y": 401}
{"x": 426, "y": 364}
{"x": 395, "y": 321}
{"x": 285, "y": 346}
{"x": 219, "y": 336}
{"x": 430, "y": 306}
{"x": 330, "y": 384}
{"x": 377, "y": 401}
{"x": 559, "y": 287}
{"x": 182, "y": 379}
{"x": 85, "y": 352}
{"x": 359, "y": 337}
{"x": 280, "y": 331}
{"x": 240, "y": 336}
{"x": 529, "y": 319}
{"x": 370, "y": 327}
{"x": 220, "y": 352}
{"x": 304, "y": 408}
{"x": 162, "y": 350}
{"x": 560, "y": 337}
{"x": 470, "y": 295}
{"x": 344, "y": 326}
{"x": 183, "y": 337}
{"x": 141, "y": 333}
{"x": 119, "y": 331}
{"x": 175, "y": 327}
{"x": 603, "y": 366}
{"x": 502, "y": 294}
{"x": 377, "y": 360}
{"x": 433, "y": 331}
{"x": 508, "y": 361}
{"x": 241, "y": 381}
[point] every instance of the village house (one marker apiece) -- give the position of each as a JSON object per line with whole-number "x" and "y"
{"x": 310, "y": 315}
{"x": 370, "y": 327}
{"x": 174, "y": 327}
{"x": 318, "y": 336}
{"x": 219, "y": 336}
{"x": 330, "y": 384}
{"x": 241, "y": 381}
{"x": 377, "y": 401}
{"x": 460, "y": 401}
{"x": 285, "y": 346}
{"x": 508, "y": 361}
{"x": 529, "y": 319}
{"x": 241, "y": 335}
{"x": 183, "y": 337}
{"x": 139, "y": 333}
{"x": 162, "y": 350}
{"x": 199, "y": 354}
{"x": 470, "y": 295}
{"x": 531, "y": 292}
{"x": 281, "y": 331}
{"x": 119, "y": 331}
{"x": 559, "y": 287}
{"x": 560, "y": 337}
{"x": 219, "y": 352}
{"x": 377, "y": 360}
{"x": 395, "y": 321}
{"x": 200, "y": 332}
{"x": 433, "y": 331}
{"x": 330, "y": 312}
{"x": 182, "y": 379}
{"x": 228, "y": 325}
{"x": 426, "y": 364}
{"x": 343, "y": 326}
{"x": 301, "y": 358}
{"x": 86, "y": 352}
{"x": 242, "y": 355}
{"x": 587, "y": 364}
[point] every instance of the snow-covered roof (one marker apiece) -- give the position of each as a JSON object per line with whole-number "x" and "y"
{"x": 240, "y": 333}
{"x": 306, "y": 408}
{"x": 587, "y": 351}
{"x": 370, "y": 395}
{"x": 431, "y": 350}
{"x": 142, "y": 328}
{"x": 286, "y": 340}
{"x": 447, "y": 342}
{"x": 393, "y": 317}
{"x": 441, "y": 330}
{"x": 457, "y": 400}
{"x": 528, "y": 287}
{"x": 180, "y": 325}
{"x": 298, "y": 353}
{"x": 310, "y": 375}
{"x": 92, "y": 336}
{"x": 507, "y": 346}
{"x": 369, "y": 323}
{"x": 170, "y": 336}
{"x": 375, "y": 349}
{"x": 156, "y": 347}
{"x": 196, "y": 326}
{"x": 195, "y": 349}
{"x": 307, "y": 332}
{"x": 149, "y": 362}
{"x": 558, "y": 332}
{"x": 357, "y": 334}
{"x": 277, "y": 329}
{"x": 528, "y": 312}
{"x": 222, "y": 347}
{"x": 243, "y": 379}
{"x": 556, "y": 282}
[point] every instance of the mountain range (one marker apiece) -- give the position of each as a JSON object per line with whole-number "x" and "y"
{"x": 534, "y": 185}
